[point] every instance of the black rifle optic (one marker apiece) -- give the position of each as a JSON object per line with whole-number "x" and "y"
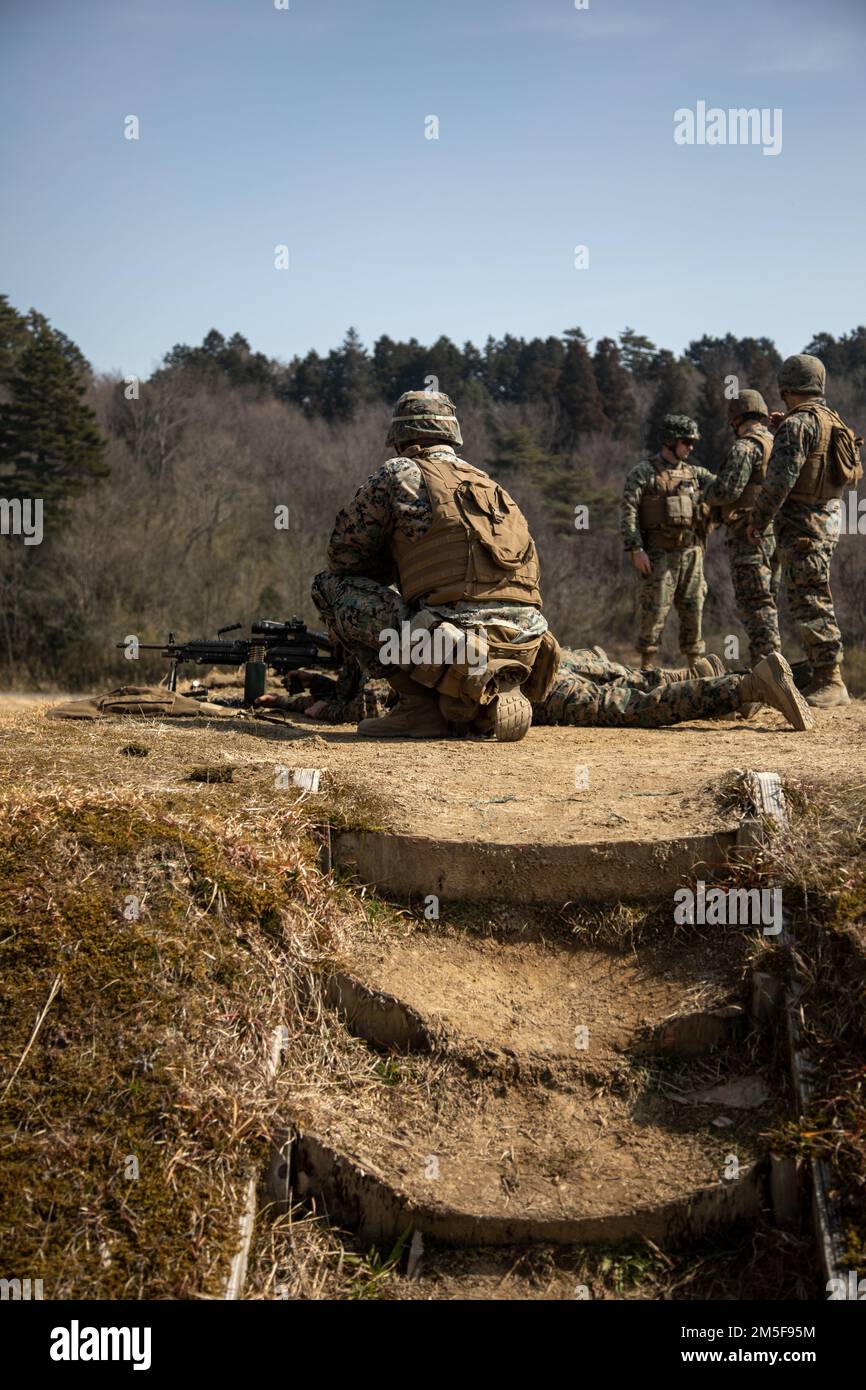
{"x": 283, "y": 647}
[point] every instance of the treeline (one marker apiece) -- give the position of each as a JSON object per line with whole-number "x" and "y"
{"x": 159, "y": 496}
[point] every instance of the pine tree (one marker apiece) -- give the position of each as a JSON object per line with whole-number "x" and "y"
{"x": 50, "y": 446}
{"x": 638, "y": 354}
{"x": 540, "y": 363}
{"x": 676, "y": 394}
{"x": 614, "y": 384}
{"x": 580, "y": 405}
{"x": 349, "y": 380}
{"x": 14, "y": 337}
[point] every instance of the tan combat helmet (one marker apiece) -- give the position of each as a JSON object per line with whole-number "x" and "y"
{"x": 424, "y": 417}
{"x": 747, "y": 403}
{"x": 803, "y": 374}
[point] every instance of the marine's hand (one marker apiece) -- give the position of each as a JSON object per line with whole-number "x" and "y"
{"x": 270, "y": 701}
{"x": 642, "y": 562}
{"x": 316, "y": 710}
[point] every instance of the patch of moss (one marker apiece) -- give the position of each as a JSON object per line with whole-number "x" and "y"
{"x": 130, "y": 1128}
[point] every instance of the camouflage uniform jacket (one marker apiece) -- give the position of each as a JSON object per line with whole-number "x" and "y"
{"x": 636, "y": 485}
{"x": 396, "y": 497}
{"x": 795, "y": 439}
{"x": 733, "y": 476}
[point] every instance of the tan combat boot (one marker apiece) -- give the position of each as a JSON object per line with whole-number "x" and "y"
{"x": 512, "y": 716}
{"x": 772, "y": 683}
{"x": 417, "y": 714}
{"x": 827, "y": 688}
{"x": 704, "y": 667}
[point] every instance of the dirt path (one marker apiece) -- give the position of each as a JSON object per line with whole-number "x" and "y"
{"x": 640, "y": 784}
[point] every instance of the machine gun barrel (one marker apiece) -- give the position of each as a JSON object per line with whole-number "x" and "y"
{"x": 284, "y": 647}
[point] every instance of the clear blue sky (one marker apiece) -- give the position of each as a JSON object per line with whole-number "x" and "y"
{"x": 305, "y": 126}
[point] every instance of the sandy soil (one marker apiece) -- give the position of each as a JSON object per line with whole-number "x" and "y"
{"x": 641, "y": 784}
{"x": 533, "y": 995}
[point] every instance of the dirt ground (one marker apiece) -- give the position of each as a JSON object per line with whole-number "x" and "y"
{"x": 533, "y": 994}
{"x": 639, "y": 784}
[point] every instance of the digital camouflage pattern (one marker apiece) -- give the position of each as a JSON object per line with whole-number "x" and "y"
{"x": 674, "y": 427}
{"x": 802, "y": 373}
{"x": 395, "y": 497}
{"x": 736, "y": 471}
{"x": 755, "y": 569}
{"x": 636, "y": 484}
{"x": 756, "y": 573}
{"x": 677, "y": 580}
{"x": 424, "y": 417}
{"x": 677, "y": 577}
{"x": 589, "y": 691}
{"x": 808, "y": 533}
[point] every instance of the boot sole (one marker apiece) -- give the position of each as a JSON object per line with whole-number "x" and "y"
{"x": 798, "y": 712}
{"x": 838, "y": 702}
{"x": 512, "y": 718}
{"x": 402, "y": 733}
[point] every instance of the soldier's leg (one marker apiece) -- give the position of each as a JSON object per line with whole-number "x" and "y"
{"x": 584, "y": 704}
{"x": 589, "y": 666}
{"x": 752, "y": 575}
{"x": 689, "y": 595}
{"x": 357, "y": 610}
{"x": 807, "y": 573}
{"x": 655, "y": 596}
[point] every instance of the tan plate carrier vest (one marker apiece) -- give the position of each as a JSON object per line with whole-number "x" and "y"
{"x": 815, "y": 483}
{"x": 735, "y": 511}
{"x": 667, "y": 512}
{"x": 478, "y": 544}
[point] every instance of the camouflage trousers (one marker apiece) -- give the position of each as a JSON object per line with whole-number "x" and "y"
{"x": 677, "y": 578}
{"x": 588, "y": 692}
{"x": 806, "y": 572}
{"x": 357, "y": 610}
{"x": 756, "y": 575}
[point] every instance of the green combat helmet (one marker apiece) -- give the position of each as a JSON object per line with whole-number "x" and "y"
{"x": 802, "y": 374}
{"x": 674, "y": 427}
{"x": 424, "y": 417}
{"x": 747, "y": 403}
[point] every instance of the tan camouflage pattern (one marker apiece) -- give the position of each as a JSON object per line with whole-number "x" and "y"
{"x": 677, "y": 581}
{"x": 354, "y": 596}
{"x": 756, "y": 574}
{"x": 424, "y": 417}
{"x": 638, "y": 480}
{"x": 802, "y": 373}
{"x": 808, "y": 533}
{"x": 755, "y": 569}
{"x": 589, "y": 692}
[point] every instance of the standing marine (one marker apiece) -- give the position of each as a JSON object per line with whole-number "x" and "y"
{"x": 433, "y": 548}
{"x": 755, "y": 565}
{"x": 815, "y": 457}
{"x": 662, "y": 522}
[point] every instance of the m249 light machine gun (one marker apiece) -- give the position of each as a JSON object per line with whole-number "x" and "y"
{"x": 283, "y": 647}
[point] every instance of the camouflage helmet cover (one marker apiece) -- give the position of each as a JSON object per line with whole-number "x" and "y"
{"x": 802, "y": 373}
{"x": 674, "y": 427}
{"x": 424, "y": 417}
{"x": 747, "y": 403}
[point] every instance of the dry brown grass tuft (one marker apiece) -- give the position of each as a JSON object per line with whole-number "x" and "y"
{"x": 153, "y": 934}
